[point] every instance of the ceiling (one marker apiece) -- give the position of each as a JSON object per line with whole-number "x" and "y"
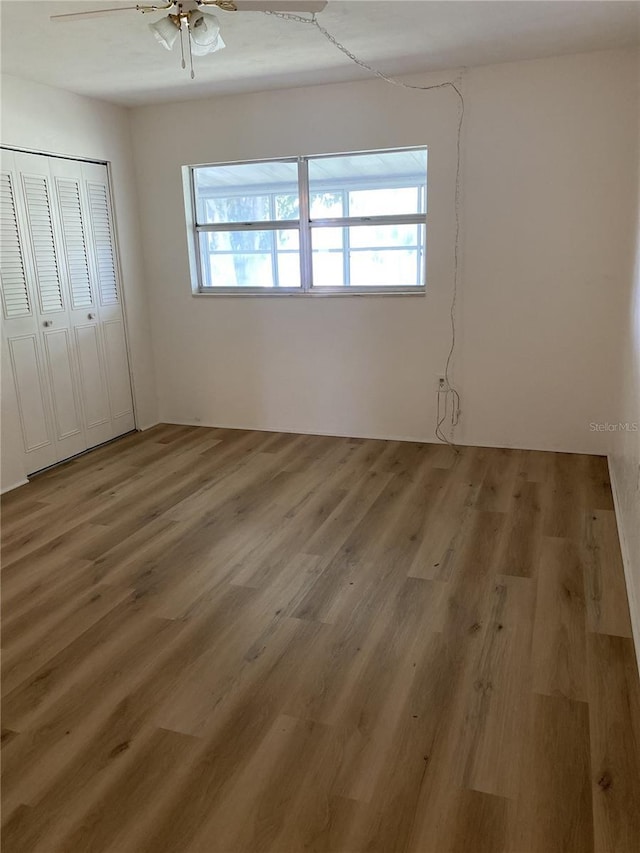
{"x": 116, "y": 58}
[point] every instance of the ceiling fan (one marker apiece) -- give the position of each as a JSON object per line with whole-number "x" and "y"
{"x": 202, "y": 28}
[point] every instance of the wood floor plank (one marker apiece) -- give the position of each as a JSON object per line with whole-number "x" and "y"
{"x": 559, "y": 664}
{"x": 521, "y": 542}
{"x": 466, "y": 820}
{"x": 614, "y": 714}
{"x": 252, "y": 814}
{"x": 447, "y": 518}
{"x": 231, "y": 738}
{"x": 499, "y": 482}
{"x": 535, "y": 465}
{"x": 491, "y": 738}
{"x": 605, "y": 590}
{"x": 37, "y": 592}
{"x": 564, "y": 497}
{"x": 35, "y": 759}
{"x": 103, "y": 826}
{"x": 232, "y": 641}
{"x": 47, "y": 562}
{"x": 598, "y": 483}
{"x": 554, "y": 810}
{"x": 31, "y": 658}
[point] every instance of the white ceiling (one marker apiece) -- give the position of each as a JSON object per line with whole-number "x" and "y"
{"x": 116, "y": 57}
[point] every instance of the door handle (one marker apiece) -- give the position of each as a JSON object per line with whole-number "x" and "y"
{"x": 91, "y": 316}
{"x": 47, "y": 323}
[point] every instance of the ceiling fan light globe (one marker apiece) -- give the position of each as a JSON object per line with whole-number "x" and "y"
{"x": 165, "y": 31}
{"x": 203, "y": 50}
{"x": 204, "y": 30}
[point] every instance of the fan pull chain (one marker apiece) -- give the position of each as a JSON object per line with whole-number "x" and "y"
{"x": 190, "y": 53}
{"x": 184, "y": 64}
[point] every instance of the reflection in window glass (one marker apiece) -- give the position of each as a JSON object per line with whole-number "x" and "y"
{"x": 327, "y": 205}
{"x": 382, "y": 268}
{"x": 327, "y": 238}
{"x": 369, "y": 256}
{"x": 288, "y": 240}
{"x": 247, "y": 192}
{"x": 328, "y": 269}
{"x": 385, "y": 201}
{"x": 384, "y": 235}
{"x": 250, "y": 258}
{"x": 380, "y": 183}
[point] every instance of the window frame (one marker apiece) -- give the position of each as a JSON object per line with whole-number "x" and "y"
{"x": 305, "y": 226}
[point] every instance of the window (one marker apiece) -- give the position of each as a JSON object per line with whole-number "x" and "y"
{"x": 348, "y": 223}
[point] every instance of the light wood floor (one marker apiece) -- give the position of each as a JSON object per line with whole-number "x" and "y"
{"x": 217, "y": 640}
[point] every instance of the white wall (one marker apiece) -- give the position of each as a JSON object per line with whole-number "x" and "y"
{"x": 53, "y": 121}
{"x": 547, "y": 150}
{"x": 625, "y": 456}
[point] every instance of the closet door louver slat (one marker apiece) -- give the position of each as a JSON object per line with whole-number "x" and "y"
{"x": 15, "y": 295}
{"x": 36, "y": 194}
{"x": 74, "y": 242}
{"x": 103, "y": 242}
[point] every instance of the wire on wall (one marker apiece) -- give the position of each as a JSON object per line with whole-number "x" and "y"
{"x": 448, "y": 406}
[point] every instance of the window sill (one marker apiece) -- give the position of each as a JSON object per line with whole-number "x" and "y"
{"x": 321, "y": 294}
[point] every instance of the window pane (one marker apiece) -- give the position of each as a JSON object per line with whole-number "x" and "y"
{"x": 371, "y": 256}
{"x": 287, "y": 206}
{"x": 327, "y": 238}
{"x": 288, "y": 269}
{"x": 328, "y": 268}
{"x": 326, "y": 205}
{"x": 249, "y": 192}
{"x": 289, "y": 239}
{"x": 248, "y": 259}
{"x": 384, "y": 267}
{"x": 376, "y": 184}
{"x": 365, "y": 236}
{"x": 385, "y": 202}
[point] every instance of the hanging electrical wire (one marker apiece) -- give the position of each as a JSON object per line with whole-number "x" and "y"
{"x": 449, "y": 392}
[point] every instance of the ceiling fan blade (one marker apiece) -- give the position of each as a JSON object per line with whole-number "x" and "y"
{"x": 96, "y": 13}
{"x": 293, "y": 6}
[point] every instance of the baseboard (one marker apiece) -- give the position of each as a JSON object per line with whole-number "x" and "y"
{"x": 368, "y": 437}
{"x": 375, "y": 437}
{"x": 634, "y": 606}
{"x": 14, "y": 486}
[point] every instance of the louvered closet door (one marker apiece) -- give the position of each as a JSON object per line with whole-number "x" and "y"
{"x": 22, "y": 338}
{"x": 21, "y": 341}
{"x": 107, "y": 294}
{"x": 63, "y": 329}
{"x": 83, "y": 309}
{"x": 51, "y": 302}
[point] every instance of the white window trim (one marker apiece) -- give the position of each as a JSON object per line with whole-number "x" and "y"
{"x": 304, "y": 225}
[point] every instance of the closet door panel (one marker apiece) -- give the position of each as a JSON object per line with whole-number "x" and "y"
{"x": 72, "y": 212}
{"x": 51, "y": 297}
{"x": 118, "y": 374}
{"x": 62, "y": 379}
{"x": 108, "y": 294}
{"x": 30, "y": 384}
{"x": 93, "y": 382}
